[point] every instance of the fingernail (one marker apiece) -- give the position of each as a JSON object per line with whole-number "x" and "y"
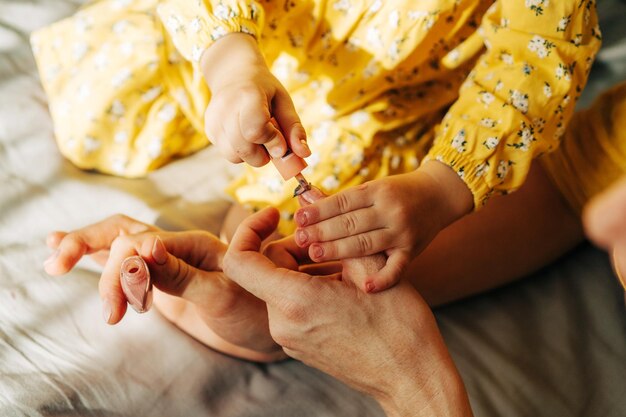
{"x": 317, "y": 252}
{"x": 370, "y": 287}
{"x": 276, "y": 152}
{"x": 52, "y": 257}
{"x": 302, "y": 237}
{"x": 301, "y": 217}
{"x": 106, "y": 310}
{"x": 306, "y": 147}
{"x": 159, "y": 253}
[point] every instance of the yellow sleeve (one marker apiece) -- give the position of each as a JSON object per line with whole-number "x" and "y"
{"x": 194, "y": 25}
{"x": 520, "y": 95}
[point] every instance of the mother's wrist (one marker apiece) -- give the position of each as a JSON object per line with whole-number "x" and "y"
{"x": 442, "y": 393}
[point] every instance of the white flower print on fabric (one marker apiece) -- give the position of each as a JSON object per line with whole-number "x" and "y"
{"x": 119, "y": 27}
{"x": 547, "y": 90}
{"x": 118, "y": 164}
{"x": 540, "y": 46}
{"x": 537, "y": 6}
{"x": 486, "y": 98}
{"x": 195, "y": 25}
{"x": 91, "y": 144}
{"x": 79, "y": 50}
{"x": 503, "y": 169}
{"x": 223, "y": 12}
{"x": 155, "y": 147}
{"x": 117, "y": 108}
{"x": 491, "y": 142}
{"x": 506, "y": 57}
{"x": 173, "y": 24}
{"x": 167, "y": 113}
{"x": 120, "y": 137}
{"x": 482, "y": 169}
{"x": 342, "y": 5}
{"x": 121, "y": 77}
{"x": 459, "y": 142}
{"x": 487, "y": 122}
{"x": 519, "y": 100}
{"x": 358, "y": 118}
{"x": 151, "y": 94}
{"x": 563, "y": 23}
{"x": 394, "y": 19}
{"x": 562, "y": 72}
{"x": 526, "y": 135}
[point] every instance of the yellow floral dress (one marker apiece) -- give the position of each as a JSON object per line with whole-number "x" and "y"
{"x": 482, "y": 86}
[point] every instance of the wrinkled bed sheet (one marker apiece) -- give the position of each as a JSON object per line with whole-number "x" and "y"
{"x": 552, "y": 345}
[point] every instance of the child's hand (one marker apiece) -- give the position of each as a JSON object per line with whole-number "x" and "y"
{"x": 244, "y": 98}
{"x": 182, "y": 264}
{"x": 398, "y": 215}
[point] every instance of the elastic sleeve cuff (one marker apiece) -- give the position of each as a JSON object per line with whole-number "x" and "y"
{"x": 194, "y": 26}
{"x": 470, "y": 171}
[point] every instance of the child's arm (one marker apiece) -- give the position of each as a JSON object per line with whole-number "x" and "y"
{"x": 513, "y": 107}
{"x": 221, "y": 38}
{"x": 398, "y": 216}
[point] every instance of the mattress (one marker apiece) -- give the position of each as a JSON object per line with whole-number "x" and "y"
{"x": 553, "y": 344}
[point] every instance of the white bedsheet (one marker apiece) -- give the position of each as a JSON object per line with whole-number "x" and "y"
{"x": 553, "y": 345}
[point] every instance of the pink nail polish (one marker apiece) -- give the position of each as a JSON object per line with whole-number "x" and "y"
{"x": 136, "y": 283}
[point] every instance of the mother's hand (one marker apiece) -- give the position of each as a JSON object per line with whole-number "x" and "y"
{"x": 187, "y": 265}
{"x": 386, "y": 345}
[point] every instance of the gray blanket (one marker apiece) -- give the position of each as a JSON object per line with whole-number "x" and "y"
{"x": 553, "y": 344}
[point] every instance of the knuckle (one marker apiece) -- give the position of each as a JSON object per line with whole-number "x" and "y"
{"x": 343, "y": 203}
{"x": 364, "y": 243}
{"x": 349, "y": 222}
{"x": 281, "y": 336}
{"x": 292, "y": 311}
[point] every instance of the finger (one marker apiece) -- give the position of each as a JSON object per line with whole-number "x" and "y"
{"x": 604, "y": 217}
{"x": 389, "y": 275}
{"x": 311, "y": 196}
{"x": 114, "y": 301}
{"x": 254, "y": 272}
{"x": 339, "y": 227}
{"x": 90, "y": 239}
{"x": 175, "y": 276}
{"x": 285, "y": 113}
{"x": 54, "y": 239}
{"x": 255, "y": 127}
{"x": 363, "y": 244}
{"x": 286, "y": 253}
{"x": 353, "y": 198}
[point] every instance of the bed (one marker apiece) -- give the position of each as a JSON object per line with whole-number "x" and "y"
{"x": 553, "y": 344}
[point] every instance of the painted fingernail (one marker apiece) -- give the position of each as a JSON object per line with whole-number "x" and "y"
{"x": 370, "y": 287}
{"x": 301, "y": 218}
{"x": 302, "y": 237}
{"x": 159, "y": 253}
{"x": 52, "y": 257}
{"x": 317, "y": 251}
{"x": 107, "y": 311}
{"x": 276, "y": 151}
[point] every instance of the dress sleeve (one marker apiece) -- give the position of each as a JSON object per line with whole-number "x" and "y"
{"x": 194, "y": 25}
{"x": 521, "y": 93}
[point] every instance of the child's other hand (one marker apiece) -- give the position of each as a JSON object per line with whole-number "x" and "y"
{"x": 398, "y": 215}
{"x": 245, "y": 96}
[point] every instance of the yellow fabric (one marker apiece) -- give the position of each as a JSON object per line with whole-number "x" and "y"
{"x": 371, "y": 81}
{"x": 593, "y": 152}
